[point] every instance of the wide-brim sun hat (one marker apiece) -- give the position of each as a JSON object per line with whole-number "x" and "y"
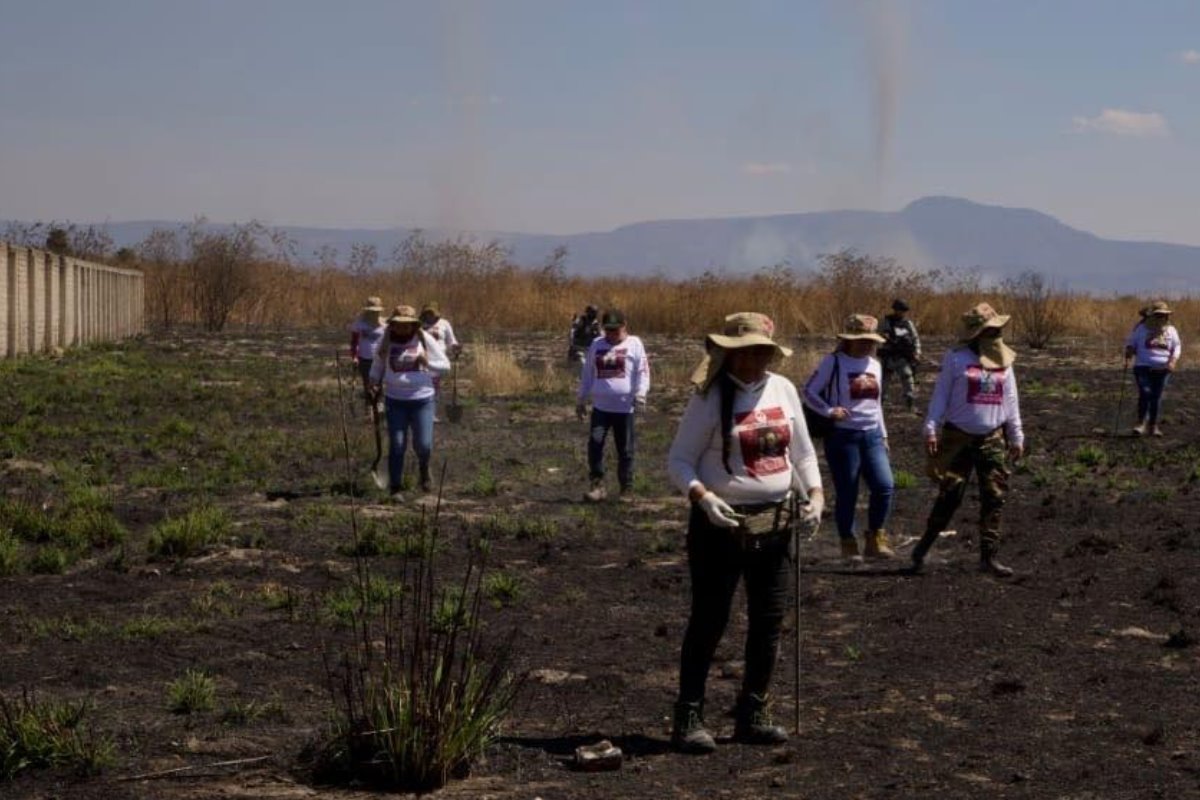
{"x": 1159, "y": 308}
{"x": 431, "y": 308}
{"x": 861, "y": 327}
{"x": 742, "y": 329}
{"x": 981, "y": 317}
{"x": 403, "y": 314}
{"x": 373, "y": 304}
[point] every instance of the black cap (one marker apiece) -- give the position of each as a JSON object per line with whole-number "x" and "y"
{"x": 899, "y": 305}
{"x": 612, "y": 319}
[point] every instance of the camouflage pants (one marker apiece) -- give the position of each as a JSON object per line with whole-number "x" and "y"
{"x": 958, "y": 454}
{"x": 901, "y": 367}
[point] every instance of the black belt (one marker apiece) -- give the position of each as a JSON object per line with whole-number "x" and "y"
{"x": 751, "y": 509}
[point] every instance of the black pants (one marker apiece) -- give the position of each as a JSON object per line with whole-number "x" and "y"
{"x": 717, "y": 559}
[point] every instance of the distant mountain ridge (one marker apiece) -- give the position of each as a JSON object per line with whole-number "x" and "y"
{"x": 928, "y": 233}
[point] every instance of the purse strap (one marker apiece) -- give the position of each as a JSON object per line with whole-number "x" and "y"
{"x": 832, "y": 388}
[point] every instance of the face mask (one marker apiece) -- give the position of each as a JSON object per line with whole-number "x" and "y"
{"x": 995, "y": 350}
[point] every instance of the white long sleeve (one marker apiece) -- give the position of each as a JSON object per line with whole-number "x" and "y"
{"x": 973, "y": 398}
{"x": 613, "y": 376}
{"x": 770, "y": 449}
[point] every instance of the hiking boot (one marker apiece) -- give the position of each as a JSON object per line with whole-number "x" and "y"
{"x": 850, "y": 551}
{"x": 596, "y": 493}
{"x": 688, "y": 734}
{"x": 1139, "y": 429}
{"x": 875, "y": 545}
{"x": 753, "y": 723}
{"x": 426, "y": 481}
{"x": 988, "y": 563}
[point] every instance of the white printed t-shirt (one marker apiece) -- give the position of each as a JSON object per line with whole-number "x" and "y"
{"x": 614, "y": 375}
{"x": 974, "y": 398}
{"x": 398, "y": 371}
{"x": 857, "y": 391}
{"x": 367, "y": 337}
{"x": 770, "y": 449}
{"x": 442, "y": 332}
{"x": 1154, "y": 348}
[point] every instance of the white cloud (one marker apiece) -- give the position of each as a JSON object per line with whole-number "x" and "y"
{"x": 1120, "y": 122}
{"x": 1189, "y": 57}
{"x": 760, "y": 168}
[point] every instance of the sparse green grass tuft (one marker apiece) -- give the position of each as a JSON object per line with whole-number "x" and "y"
{"x": 192, "y": 692}
{"x": 484, "y": 484}
{"x": 10, "y": 553}
{"x": 188, "y": 535}
{"x": 905, "y": 480}
{"x": 1090, "y": 455}
{"x": 40, "y": 735}
{"x": 502, "y": 589}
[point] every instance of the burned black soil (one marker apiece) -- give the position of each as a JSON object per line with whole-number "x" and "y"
{"x": 1075, "y": 679}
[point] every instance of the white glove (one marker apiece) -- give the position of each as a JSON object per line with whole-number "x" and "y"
{"x": 810, "y": 512}
{"x": 719, "y": 512}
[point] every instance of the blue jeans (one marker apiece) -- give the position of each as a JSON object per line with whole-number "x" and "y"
{"x": 1151, "y": 381}
{"x": 622, "y": 428}
{"x": 401, "y": 416}
{"x": 851, "y": 454}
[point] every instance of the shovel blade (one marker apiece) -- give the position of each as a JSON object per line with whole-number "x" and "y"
{"x": 380, "y": 481}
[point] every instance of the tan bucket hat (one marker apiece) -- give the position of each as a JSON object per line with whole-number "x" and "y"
{"x": 403, "y": 314}
{"x": 743, "y": 329}
{"x": 861, "y": 327}
{"x": 977, "y": 319}
{"x": 373, "y": 304}
{"x": 1159, "y": 307}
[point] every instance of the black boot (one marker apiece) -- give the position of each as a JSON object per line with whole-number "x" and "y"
{"x": 989, "y": 564}
{"x": 688, "y": 734}
{"x": 753, "y": 723}
{"x": 426, "y": 481}
{"x": 922, "y": 549}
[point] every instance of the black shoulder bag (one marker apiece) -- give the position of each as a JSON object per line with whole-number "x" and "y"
{"x": 819, "y": 425}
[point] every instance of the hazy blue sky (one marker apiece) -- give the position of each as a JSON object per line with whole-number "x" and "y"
{"x": 557, "y": 116}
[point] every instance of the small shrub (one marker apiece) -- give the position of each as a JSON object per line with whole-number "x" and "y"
{"x": 50, "y": 560}
{"x": 484, "y": 484}
{"x": 502, "y": 589}
{"x": 25, "y": 521}
{"x": 1090, "y": 455}
{"x": 369, "y": 598}
{"x": 187, "y": 535}
{"x": 41, "y": 735}
{"x": 192, "y": 692}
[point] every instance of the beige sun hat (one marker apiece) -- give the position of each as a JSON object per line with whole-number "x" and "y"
{"x": 373, "y": 304}
{"x": 743, "y": 329}
{"x": 981, "y": 316}
{"x": 403, "y": 314}
{"x": 1159, "y": 307}
{"x": 861, "y": 327}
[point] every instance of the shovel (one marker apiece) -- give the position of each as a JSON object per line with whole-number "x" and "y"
{"x": 380, "y": 480}
{"x": 454, "y": 412}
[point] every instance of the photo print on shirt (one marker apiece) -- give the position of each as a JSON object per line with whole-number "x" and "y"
{"x": 611, "y": 363}
{"x": 764, "y": 435}
{"x": 985, "y": 387}
{"x": 403, "y": 358}
{"x": 863, "y": 386}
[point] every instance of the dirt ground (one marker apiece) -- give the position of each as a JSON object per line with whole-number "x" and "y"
{"x": 1076, "y": 679}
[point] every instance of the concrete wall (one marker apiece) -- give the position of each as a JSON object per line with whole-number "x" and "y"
{"x": 49, "y": 301}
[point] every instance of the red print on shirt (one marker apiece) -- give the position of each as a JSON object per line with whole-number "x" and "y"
{"x": 863, "y": 386}
{"x": 985, "y": 387}
{"x": 764, "y": 435}
{"x": 611, "y": 363}
{"x": 403, "y": 358}
{"x": 1158, "y": 341}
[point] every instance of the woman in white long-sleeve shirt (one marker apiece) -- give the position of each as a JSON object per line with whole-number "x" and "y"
{"x": 741, "y": 450}
{"x": 404, "y": 369}
{"x": 1154, "y": 346}
{"x": 846, "y": 388}
{"x": 974, "y": 423}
